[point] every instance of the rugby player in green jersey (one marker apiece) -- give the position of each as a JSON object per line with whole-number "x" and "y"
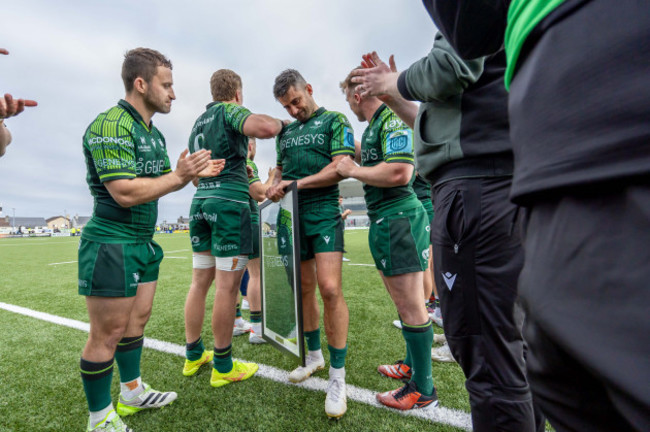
{"x": 257, "y": 191}
{"x": 128, "y": 170}
{"x": 398, "y": 238}
{"x": 220, "y": 226}
{"x": 307, "y": 152}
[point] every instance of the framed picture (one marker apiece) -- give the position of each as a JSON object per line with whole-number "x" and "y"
{"x": 280, "y": 274}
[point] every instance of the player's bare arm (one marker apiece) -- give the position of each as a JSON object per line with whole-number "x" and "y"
{"x": 325, "y": 177}
{"x": 139, "y": 190}
{"x": 262, "y": 126}
{"x": 381, "y": 175}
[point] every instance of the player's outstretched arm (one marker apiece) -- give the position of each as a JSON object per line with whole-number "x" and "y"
{"x": 140, "y": 190}
{"x": 380, "y": 80}
{"x": 262, "y": 126}
{"x": 381, "y": 175}
{"x": 325, "y": 177}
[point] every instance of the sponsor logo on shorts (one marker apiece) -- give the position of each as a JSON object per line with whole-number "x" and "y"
{"x": 83, "y": 283}
{"x": 226, "y": 247}
{"x": 136, "y": 277}
{"x": 425, "y": 254}
{"x": 195, "y": 240}
{"x": 449, "y": 279}
{"x": 210, "y": 217}
{"x": 327, "y": 239}
{"x": 283, "y": 241}
{"x": 383, "y": 262}
{"x": 428, "y": 228}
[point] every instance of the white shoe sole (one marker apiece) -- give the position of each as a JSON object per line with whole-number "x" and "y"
{"x": 302, "y": 373}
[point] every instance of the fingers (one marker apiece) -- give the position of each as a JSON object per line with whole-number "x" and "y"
{"x": 391, "y": 62}
{"x": 184, "y": 154}
{"x": 4, "y": 51}
{"x": 30, "y": 103}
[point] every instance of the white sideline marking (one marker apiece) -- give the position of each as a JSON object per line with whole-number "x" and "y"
{"x": 442, "y": 415}
{"x": 166, "y": 257}
{"x": 37, "y": 243}
{"x": 365, "y": 265}
{"x": 174, "y": 251}
{"x": 65, "y": 262}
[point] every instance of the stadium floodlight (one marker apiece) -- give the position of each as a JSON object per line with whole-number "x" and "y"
{"x": 280, "y": 271}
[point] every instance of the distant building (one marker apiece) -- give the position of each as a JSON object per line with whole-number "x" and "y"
{"x": 79, "y": 221}
{"x": 57, "y": 222}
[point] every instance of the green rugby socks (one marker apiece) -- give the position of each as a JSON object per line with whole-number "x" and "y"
{"x": 418, "y": 340}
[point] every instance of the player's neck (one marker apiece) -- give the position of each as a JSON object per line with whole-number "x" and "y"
{"x": 141, "y": 107}
{"x": 370, "y": 107}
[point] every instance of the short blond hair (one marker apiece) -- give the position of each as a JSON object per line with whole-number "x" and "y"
{"x": 224, "y": 84}
{"x": 347, "y": 82}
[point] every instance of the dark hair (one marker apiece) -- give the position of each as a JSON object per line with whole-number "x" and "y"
{"x": 141, "y": 62}
{"x": 287, "y": 79}
{"x": 224, "y": 84}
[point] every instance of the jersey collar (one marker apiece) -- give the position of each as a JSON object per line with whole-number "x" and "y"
{"x": 316, "y": 113}
{"x": 377, "y": 113}
{"x": 135, "y": 114}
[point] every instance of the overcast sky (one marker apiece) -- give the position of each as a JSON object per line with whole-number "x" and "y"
{"x": 67, "y": 55}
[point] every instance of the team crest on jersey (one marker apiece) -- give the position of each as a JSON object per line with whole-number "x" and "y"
{"x": 301, "y": 126}
{"x": 400, "y": 141}
{"x": 348, "y": 137}
{"x": 153, "y": 142}
{"x": 162, "y": 144}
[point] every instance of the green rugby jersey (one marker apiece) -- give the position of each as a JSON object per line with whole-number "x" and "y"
{"x": 421, "y": 188}
{"x": 119, "y": 145}
{"x": 304, "y": 149}
{"x": 255, "y": 217}
{"x": 386, "y": 139}
{"x": 221, "y": 129}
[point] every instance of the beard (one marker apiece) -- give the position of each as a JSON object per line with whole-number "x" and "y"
{"x": 157, "y": 103}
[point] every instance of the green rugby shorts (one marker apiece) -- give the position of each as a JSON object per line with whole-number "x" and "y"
{"x": 221, "y": 226}
{"x": 321, "y": 230}
{"x": 116, "y": 269}
{"x": 399, "y": 242}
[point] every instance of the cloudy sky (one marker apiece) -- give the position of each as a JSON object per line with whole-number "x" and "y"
{"x": 68, "y": 55}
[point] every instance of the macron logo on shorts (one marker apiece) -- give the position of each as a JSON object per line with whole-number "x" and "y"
{"x": 327, "y": 239}
{"x": 449, "y": 279}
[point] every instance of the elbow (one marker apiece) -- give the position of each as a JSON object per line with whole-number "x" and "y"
{"x": 268, "y": 130}
{"x": 124, "y": 201}
{"x": 401, "y": 179}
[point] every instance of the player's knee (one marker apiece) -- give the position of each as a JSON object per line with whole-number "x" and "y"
{"x": 331, "y": 293}
{"x": 235, "y": 263}
{"x": 107, "y": 338}
{"x": 201, "y": 261}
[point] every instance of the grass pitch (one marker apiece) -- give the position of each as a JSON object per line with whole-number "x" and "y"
{"x": 40, "y": 386}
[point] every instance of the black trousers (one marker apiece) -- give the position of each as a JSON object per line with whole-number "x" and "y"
{"x": 478, "y": 257}
{"x": 586, "y": 288}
